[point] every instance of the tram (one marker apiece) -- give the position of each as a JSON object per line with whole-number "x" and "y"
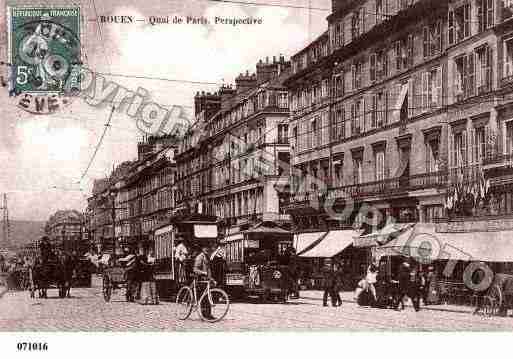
{"x": 195, "y": 230}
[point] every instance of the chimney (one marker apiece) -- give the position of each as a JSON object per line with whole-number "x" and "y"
{"x": 226, "y": 92}
{"x": 336, "y": 5}
{"x": 266, "y": 71}
{"x": 208, "y": 102}
{"x": 244, "y": 82}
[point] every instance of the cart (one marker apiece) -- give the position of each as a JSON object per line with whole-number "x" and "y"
{"x": 499, "y": 297}
{"x": 114, "y": 278}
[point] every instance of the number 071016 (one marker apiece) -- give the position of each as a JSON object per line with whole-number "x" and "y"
{"x": 32, "y": 346}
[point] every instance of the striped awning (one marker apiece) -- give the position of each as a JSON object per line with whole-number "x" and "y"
{"x": 304, "y": 240}
{"x": 331, "y": 245}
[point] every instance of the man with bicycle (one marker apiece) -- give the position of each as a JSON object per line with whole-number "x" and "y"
{"x": 203, "y": 273}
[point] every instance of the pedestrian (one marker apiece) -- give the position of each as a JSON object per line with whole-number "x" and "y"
{"x": 371, "y": 278}
{"x": 203, "y": 273}
{"x": 181, "y": 254}
{"x": 218, "y": 265}
{"x": 408, "y": 286}
{"x": 428, "y": 280}
{"x": 339, "y": 273}
{"x": 330, "y": 287}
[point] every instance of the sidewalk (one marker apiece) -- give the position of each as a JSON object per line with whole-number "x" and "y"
{"x": 348, "y": 297}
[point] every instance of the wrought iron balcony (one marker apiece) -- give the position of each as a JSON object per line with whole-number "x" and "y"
{"x": 498, "y": 160}
{"x": 390, "y": 186}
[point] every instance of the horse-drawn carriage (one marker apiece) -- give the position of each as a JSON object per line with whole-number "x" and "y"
{"x": 54, "y": 273}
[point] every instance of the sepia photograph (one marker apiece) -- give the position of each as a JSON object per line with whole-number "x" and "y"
{"x": 255, "y": 166}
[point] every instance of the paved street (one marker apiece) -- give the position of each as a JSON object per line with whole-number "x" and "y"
{"x": 86, "y": 311}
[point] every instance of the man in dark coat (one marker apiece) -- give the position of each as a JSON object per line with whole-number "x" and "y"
{"x": 46, "y": 250}
{"x": 331, "y": 285}
{"x": 408, "y": 286}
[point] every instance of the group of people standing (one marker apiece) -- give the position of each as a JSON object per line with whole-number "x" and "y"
{"x": 374, "y": 289}
{"x": 193, "y": 260}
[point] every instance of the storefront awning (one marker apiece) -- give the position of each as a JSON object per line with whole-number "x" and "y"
{"x": 263, "y": 228}
{"x": 384, "y": 235}
{"x": 233, "y": 237}
{"x": 304, "y": 240}
{"x": 424, "y": 243}
{"x": 332, "y": 244}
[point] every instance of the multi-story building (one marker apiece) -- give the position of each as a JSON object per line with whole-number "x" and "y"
{"x": 399, "y": 112}
{"x": 234, "y": 163}
{"x": 65, "y": 230}
{"x": 137, "y": 197}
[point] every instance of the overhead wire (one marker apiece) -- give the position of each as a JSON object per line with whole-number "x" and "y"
{"x": 107, "y": 125}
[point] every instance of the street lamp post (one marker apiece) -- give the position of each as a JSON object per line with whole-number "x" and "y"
{"x": 112, "y": 194}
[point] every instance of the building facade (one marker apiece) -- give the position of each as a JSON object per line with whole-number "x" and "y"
{"x": 234, "y": 163}
{"x": 400, "y": 112}
{"x": 66, "y": 230}
{"x": 138, "y": 196}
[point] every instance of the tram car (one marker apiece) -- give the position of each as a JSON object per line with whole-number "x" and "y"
{"x": 194, "y": 230}
{"x": 258, "y": 264}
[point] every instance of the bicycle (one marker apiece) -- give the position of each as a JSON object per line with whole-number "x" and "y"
{"x": 187, "y": 300}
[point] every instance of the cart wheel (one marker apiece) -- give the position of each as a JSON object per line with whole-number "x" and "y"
{"x": 495, "y": 293}
{"x": 107, "y": 288}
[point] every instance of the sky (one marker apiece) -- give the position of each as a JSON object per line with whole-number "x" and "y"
{"x": 43, "y": 158}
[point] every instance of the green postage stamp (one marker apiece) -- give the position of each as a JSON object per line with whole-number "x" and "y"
{"x": 44, "y": 50}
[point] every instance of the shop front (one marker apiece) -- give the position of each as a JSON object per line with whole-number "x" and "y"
{"x": 330, "y": 247}
{"x": 453, "y": 257}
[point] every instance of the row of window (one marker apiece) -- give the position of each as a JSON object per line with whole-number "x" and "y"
{"x": 464, "y": 20}
{"x": 257, "y": 102}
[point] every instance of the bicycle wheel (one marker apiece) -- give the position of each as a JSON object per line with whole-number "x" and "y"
{"x": 218, "y": 302}
{"x": 184, "y": 301}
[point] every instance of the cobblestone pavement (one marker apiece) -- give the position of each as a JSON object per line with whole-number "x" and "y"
{"x": 87, "y": 311}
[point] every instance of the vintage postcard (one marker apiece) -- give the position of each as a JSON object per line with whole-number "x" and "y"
{"x": 294, "y": 165}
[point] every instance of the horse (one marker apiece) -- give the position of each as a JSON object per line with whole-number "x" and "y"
{"x": 57, "y": 271}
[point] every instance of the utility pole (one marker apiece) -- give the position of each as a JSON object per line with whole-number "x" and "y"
{"x": 6, "y": 230}
{"x": 113, "y": 217}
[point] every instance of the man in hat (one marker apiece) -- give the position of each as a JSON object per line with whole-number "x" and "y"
{"x": 203, "y": 273}
{"x": 408, "y": 286}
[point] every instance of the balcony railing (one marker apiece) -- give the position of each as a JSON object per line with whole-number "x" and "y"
{"x": 391, "y": 186}
{"x": 503, "y": 159}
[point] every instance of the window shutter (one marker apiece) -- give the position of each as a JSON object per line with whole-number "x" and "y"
{"x": 425, "y": 41}
{"x": 471, "y": 73}
{"x": 464, "y": 147}
{"x": 437, "y": 94}
{"x": 472, "y": 146}
{"x": 490, "y": 13}
{"x": 385, "y": 107}
{"x": 411, "y": 96}
{"x": 451, "y": 30}
{"x": 480, "y": 18}
{"x": 425, "y": 91}
{"x": 363, "y": 117}
{"x": 362, "y": 20}
{"x": 466, "y": 20}
{"x": 489, "y": 71}
{"x": 372, "y": 61}
{"x": 353, "y": 119}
